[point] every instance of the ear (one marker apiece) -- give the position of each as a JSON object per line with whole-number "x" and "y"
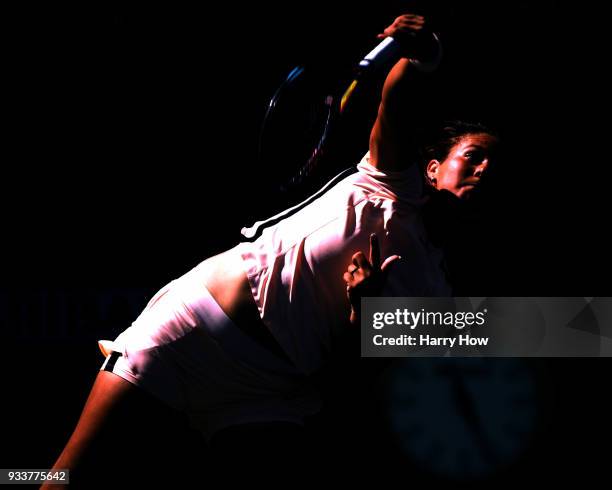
{"x": 432, "y": 171}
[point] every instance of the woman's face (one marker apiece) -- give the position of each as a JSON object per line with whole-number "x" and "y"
{"x": 466, "y": 163}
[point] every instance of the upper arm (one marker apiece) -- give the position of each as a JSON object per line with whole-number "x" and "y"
{"x": 392, "y": 141}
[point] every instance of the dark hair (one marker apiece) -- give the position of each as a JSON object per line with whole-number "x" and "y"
{"x": 439, "y": 143}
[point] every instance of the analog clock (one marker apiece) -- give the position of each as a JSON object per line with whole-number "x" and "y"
{"x": 461, "y": 418}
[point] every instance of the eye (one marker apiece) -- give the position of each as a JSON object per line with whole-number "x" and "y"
{"x": 474, "y": 155}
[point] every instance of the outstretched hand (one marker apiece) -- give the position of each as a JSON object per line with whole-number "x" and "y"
{"x": 404, "y": 27}
{"x": 418, "y": 41}
{"x": 366, "y": 277}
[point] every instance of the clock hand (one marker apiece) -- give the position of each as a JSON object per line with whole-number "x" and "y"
{"x": 467, "y": 409}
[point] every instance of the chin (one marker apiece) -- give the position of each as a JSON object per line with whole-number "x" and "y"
{"x": 466, "y": 193}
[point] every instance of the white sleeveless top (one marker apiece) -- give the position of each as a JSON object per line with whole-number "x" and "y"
{"x": 295, "y": 267}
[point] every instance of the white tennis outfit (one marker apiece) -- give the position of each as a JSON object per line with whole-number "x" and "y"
{"x": 187, "y": 352}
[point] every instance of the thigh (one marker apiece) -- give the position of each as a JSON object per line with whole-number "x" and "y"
{"x": 124, "y": 434}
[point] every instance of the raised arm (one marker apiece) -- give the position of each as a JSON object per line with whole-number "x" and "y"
{"x": 391, "y": 139}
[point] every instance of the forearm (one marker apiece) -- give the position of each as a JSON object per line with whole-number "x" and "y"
{"x": 392, "y": 130}
{"x": 393, "y": 141}
{"x": 396, "y": 82}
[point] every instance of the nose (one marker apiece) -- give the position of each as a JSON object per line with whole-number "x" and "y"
{"x": 481, "y": 168}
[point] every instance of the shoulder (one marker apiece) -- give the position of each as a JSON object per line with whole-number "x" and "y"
{"x": 398, "y": 185}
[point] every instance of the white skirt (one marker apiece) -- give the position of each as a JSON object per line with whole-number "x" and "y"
{"x": 184, "y": 350}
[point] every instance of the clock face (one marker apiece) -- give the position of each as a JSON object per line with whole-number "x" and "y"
{"x": 461, "y": 418}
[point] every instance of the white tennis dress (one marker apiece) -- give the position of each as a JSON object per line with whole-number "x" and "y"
{"x": 187, "y": 352}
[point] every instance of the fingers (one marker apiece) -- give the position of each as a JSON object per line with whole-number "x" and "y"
{"x": 359, "y": 259}
{"x": 404, "y": 25}
{"x": 364, "y": 278}
{"x": 361, "y": 268}
{"x": 349, "y": 279}
{"x": 389, "y": 261}
{"x": 409, "y": 22}
{"x": 410, "y": 19}
{"x": 374, "y": 251}
{"x": 387, "y": 265}
{"x": 358, "y": 270}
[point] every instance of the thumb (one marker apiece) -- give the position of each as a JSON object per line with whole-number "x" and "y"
{"x": 388, "y": 264}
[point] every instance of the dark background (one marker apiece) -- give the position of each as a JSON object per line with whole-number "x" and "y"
{"x": 131, "y": 143}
